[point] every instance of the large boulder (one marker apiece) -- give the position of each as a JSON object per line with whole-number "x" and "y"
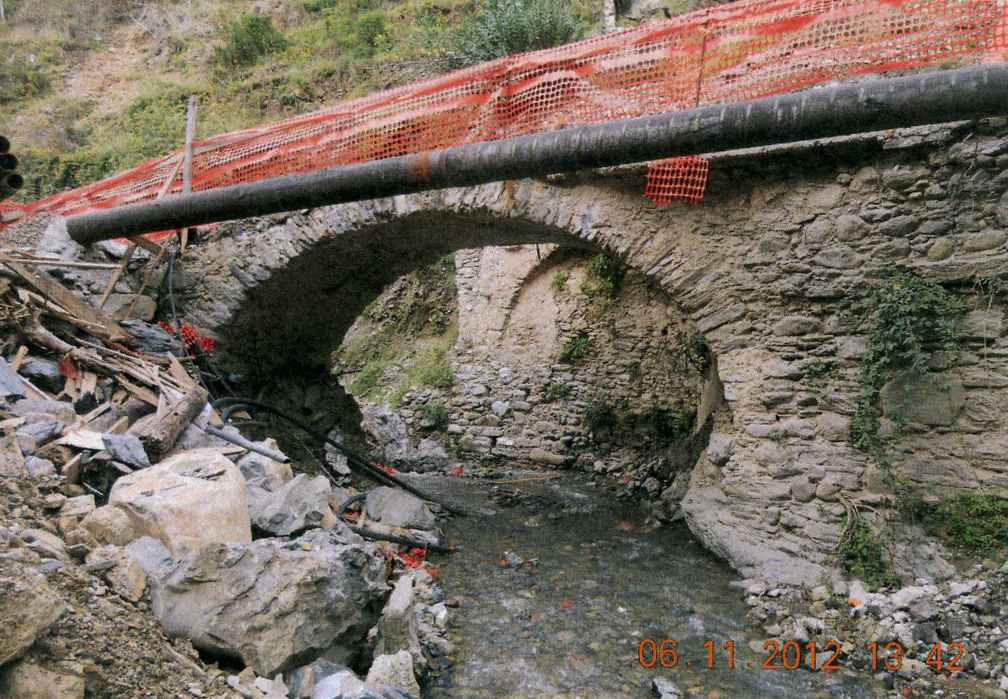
{"x": 263, "y": 472}
{"x": 24, "y": 680}
{"x": 397, "y": 628}
{"x": 28, "y": 607}
{"x": 272, "y": 603}
{"x": 301, "y": 504}
{"x": 394, "y": 671}
{"x": 397, "y": 508}
{"x": 191, "y": 499}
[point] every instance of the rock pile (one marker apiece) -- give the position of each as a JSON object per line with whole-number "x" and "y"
{"x": 964, "y": 619}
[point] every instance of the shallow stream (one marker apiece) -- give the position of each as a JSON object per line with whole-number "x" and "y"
{"x": 584, "y": 586}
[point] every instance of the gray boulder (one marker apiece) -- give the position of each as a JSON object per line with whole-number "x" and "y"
{"x": 343, "y": 685}
{"x": 397, "y": 508}
{"x": 263, "y": 472}
{"x": 274, "y": 604}
{"x": 397, "y": 628}
{"x": 28, "y": 607}
{"x": 395, "y": 672}
{"x": 31, "y": 437}
{"x": 296, "y": 506}
{"x": 44, "y": 374}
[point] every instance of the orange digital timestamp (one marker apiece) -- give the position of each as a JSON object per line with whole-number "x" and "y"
{"x": 791, "y": 655}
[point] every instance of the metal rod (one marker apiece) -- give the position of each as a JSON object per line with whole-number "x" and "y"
{"x": 930, "y": 98}
{"x": 247, "y": 444}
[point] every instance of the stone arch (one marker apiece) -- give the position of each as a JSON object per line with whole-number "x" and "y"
{"x": 769, "y": 267}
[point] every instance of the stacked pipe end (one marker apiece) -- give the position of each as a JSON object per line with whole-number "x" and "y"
{"x": 10, "y": 179}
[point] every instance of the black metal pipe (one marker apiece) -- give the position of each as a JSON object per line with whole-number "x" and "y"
{"x": 836, "y": 110}
{"x": 4, "y": 144}
{"x": 9, "y": 184}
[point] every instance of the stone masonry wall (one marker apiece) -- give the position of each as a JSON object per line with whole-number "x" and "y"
{"x": 773, "y": 267}
{"x": 515, "y": 398}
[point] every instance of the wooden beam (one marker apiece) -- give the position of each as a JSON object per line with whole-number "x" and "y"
{"x": 51, "y": 289}
{"x": 160, "y": 435}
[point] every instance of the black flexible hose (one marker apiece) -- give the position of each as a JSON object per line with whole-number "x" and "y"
{"x": 401, "y": 540}
{"x": 353, "y": 459}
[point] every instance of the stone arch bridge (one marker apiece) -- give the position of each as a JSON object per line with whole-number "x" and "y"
{"x": 772, "y": 267}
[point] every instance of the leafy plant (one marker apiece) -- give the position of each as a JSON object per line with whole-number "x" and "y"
{"x": 860, "y": 554}
{"x": 975, "y": 522}
{"x": 662, "y": 424}
{"x": 910, "y": 321}
{"x": 437, "y": 376}
{"x": 818, "y": 374}
{"x": 436, "y": 414}
{"x": 601, "y": 420}
{"x": 504, "y": 27}
{"x": 557, "y": 391}
{"x": 249, "y": 38}
{"x": 559, "y": 282}
{"x": 576, "y": 349}
{"x": 633, "y": 367}
{"x": 604, "y": 277}
{"x": 367, "y": 378}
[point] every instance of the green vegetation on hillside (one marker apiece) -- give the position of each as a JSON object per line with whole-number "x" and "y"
{"x": 98, "y": 87}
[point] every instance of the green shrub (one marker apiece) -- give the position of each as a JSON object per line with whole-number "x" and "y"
{"x": 557, "y": 391}
{"x": 367, "y": 378}
{"x": 910, "y": 321}
{"x": 972, "y": 521}
{"x": 861, "y": 555}
{"x": 559, "y": 282}
{"x": 436, "y": 414}
{"x": 661, "y": 424}
{"x": 370, "y": 28}
{"x": 601, "y": 420}
{"x": 249, "y": 38}
{"x": 20, "y": 80}
{"x": 437, "y": 376}
{"x": 577, "y": 349}
{"x": 604, "y": 277}
{"x": 504, "y": 27}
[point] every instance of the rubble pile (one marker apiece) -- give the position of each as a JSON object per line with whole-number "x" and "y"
{"x": 962, "y": 618}
{"x": 148, "y": 549}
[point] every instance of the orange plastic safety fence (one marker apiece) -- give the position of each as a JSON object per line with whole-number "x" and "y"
{"x": 738, "y": 51}
{"x": 682, "y": 179}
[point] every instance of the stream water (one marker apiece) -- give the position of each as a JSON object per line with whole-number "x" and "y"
{"x": 584, "y": 586}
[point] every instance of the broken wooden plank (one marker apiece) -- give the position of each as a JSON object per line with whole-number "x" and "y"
{"x": 83, "y": 439}
{"x": 19, "y": 358}
{"x": 71, "y": 469}
{"x": 123, "y": 263}
{"x": 62, "y": 296}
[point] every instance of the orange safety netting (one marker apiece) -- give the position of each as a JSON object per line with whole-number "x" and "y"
{"x": 739, "y": 51}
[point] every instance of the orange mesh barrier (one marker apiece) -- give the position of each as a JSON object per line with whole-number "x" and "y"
{"x": 677, "y": 179}
{"x": 738, "y": 51}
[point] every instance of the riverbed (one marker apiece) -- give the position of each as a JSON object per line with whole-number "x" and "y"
{"x": 558, "y": 584}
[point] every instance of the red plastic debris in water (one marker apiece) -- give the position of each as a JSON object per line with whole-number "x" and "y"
{"x": 566, "y": 605}
{"x": 414, "y": 558}
{"x": 625, "y": 526}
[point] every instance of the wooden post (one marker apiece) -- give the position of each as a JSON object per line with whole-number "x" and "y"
{"x": 190, "y": 134}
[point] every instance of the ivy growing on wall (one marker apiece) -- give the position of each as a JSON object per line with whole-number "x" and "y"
{"x": 911, "y": 334}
